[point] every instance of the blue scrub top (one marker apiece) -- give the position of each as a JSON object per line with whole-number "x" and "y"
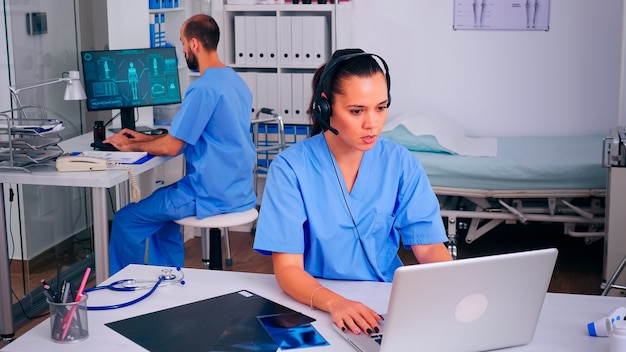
{"x": 303, "y": 210}
{"x": 214, "y": 122}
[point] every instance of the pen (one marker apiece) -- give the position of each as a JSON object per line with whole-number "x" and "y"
{"x": 59, "y": 281}
{"x": 67, "y": 287}
{"x": 62, "y": 292}
{"x": 79, "y": 295}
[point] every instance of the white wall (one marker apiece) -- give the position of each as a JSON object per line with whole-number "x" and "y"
{"x": 499, "y": 83}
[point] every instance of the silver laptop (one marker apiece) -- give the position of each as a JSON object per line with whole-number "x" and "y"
{"x": 473, "y": 304}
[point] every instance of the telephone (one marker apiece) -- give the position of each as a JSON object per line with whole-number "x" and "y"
{"x": 80, "y": 163}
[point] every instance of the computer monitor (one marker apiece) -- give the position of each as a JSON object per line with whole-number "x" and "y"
{"x": 130, "y": 78}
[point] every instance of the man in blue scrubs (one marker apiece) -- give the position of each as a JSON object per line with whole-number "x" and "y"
{"x": 212, "y": 129}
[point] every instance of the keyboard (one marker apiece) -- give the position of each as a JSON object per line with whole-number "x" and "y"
{"x": 378, "y": 337}
{"x": 104, "y": 146}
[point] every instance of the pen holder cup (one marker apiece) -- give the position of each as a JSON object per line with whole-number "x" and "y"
{"x": 68, "y": 321}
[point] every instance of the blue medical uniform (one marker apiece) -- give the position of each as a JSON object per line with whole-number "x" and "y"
{"x": 303, "y": 210}
{"x": 214, "y": 123}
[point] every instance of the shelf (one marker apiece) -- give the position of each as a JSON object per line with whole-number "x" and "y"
{"x": 166, "y": 10}
{"x": 25, "y": 157}
{"x": 27, "y": 140}
{"x": 280, "y": 7}
{"x": 31, "y": 143}
{"x": 276, "y": 49}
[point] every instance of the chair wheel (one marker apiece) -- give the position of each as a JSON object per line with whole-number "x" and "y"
{"x": 229, "y": 262}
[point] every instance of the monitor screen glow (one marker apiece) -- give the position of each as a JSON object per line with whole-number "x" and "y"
{"x": 130, "y": 78}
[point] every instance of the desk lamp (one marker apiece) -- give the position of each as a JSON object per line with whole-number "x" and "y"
{"x": 73, "y": 90}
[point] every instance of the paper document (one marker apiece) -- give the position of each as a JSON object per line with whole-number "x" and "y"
{"x": 117, "y": 157}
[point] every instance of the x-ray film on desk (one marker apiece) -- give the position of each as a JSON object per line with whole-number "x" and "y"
{"x": 226, "y": 323}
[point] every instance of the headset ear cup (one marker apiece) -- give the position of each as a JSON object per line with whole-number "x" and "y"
{"x": 323, "y": 110}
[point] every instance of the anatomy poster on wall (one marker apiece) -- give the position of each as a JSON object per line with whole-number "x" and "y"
{"x": 531, "y": 15}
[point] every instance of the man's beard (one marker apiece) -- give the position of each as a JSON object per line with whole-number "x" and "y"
{"x": 192, "y": 61}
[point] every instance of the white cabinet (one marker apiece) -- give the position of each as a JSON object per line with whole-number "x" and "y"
{"x": 164, "y": 30}
{"x": 162, "y": 175}
{"x": 276, "y": 49}
{"x": 615, "y": 240}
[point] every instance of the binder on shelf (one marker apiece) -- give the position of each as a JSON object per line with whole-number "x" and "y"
{"x": 167, "y": 4}
{"x": 250, "y": 40}
{"x": 296, "y": 98}
{"x": 261, "y": 90}
{"x": 307, "y": 94}
{"x": 321, "y": 40}
{"x": 285, "y": 40}
{"x": 307, "y": 89}
{"x": 272, "y": 134}
{"x": 302, "y": 132}
{"x": 308, "y": 35}
{"x": 272, "y": 91}
{"x": 161, "y": 38}
{"x": 250, "y": 79}
{"x": 154, "y": 4}
{"x": 272, "y": 41}
{"x": 296, "y": 40}
{"x": 240, "y": 40}
{"x": 154, "y": 29}
{"x": 261, "y": 39}
{"x": 285, "y": 97}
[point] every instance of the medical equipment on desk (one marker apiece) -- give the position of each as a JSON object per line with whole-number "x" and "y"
{"x": 614, "y": 148}
{"x": 614, "y": 159}
{"x": 604, "y": 325}
{"x": 168, "y": 277}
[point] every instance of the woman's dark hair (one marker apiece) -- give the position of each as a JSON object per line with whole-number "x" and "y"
{"x": 360, "y": 66}
{"x": 205, "y": 29}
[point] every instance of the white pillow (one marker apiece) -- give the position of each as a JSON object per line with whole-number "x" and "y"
{"x": 448, "y": 134}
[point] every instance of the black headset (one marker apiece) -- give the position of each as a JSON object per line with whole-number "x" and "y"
{"x": 321, "y": 108}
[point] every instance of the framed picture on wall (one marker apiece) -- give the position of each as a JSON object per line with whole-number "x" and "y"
{"x": 529, "y": 15}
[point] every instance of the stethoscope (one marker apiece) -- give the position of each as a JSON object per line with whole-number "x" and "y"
{"x": 167, "y": 278}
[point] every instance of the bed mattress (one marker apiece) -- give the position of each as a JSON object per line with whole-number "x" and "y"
{"x": 521, "y": 163}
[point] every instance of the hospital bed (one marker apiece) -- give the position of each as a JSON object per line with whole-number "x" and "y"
{"x": 511, "y": 180}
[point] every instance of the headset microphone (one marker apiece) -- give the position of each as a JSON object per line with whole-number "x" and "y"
{"x": 327, "y": 126}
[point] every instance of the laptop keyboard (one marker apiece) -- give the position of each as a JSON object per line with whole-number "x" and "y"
{"x": 378, "y": 337}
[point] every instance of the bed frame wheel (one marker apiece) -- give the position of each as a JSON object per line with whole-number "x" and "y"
{"x": 453, "y": 250}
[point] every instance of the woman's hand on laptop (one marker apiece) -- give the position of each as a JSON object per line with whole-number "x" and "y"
{"x": 299, "y": 284}
{"x": 354, "y": 316}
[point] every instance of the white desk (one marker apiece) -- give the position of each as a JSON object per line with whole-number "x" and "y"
{"x": 562, "y": 324}
{"x": 46, "y": 174}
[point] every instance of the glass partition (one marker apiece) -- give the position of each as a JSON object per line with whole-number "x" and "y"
{"x": 48, "y": 228}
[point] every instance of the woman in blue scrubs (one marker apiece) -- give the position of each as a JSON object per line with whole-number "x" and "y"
{"x": 337, "y": 205}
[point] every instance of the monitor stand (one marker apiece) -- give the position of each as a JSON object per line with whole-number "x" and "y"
{"x": 127, "y": 117}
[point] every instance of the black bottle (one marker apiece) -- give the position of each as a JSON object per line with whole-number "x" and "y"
{"x": 98, "y": 131}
